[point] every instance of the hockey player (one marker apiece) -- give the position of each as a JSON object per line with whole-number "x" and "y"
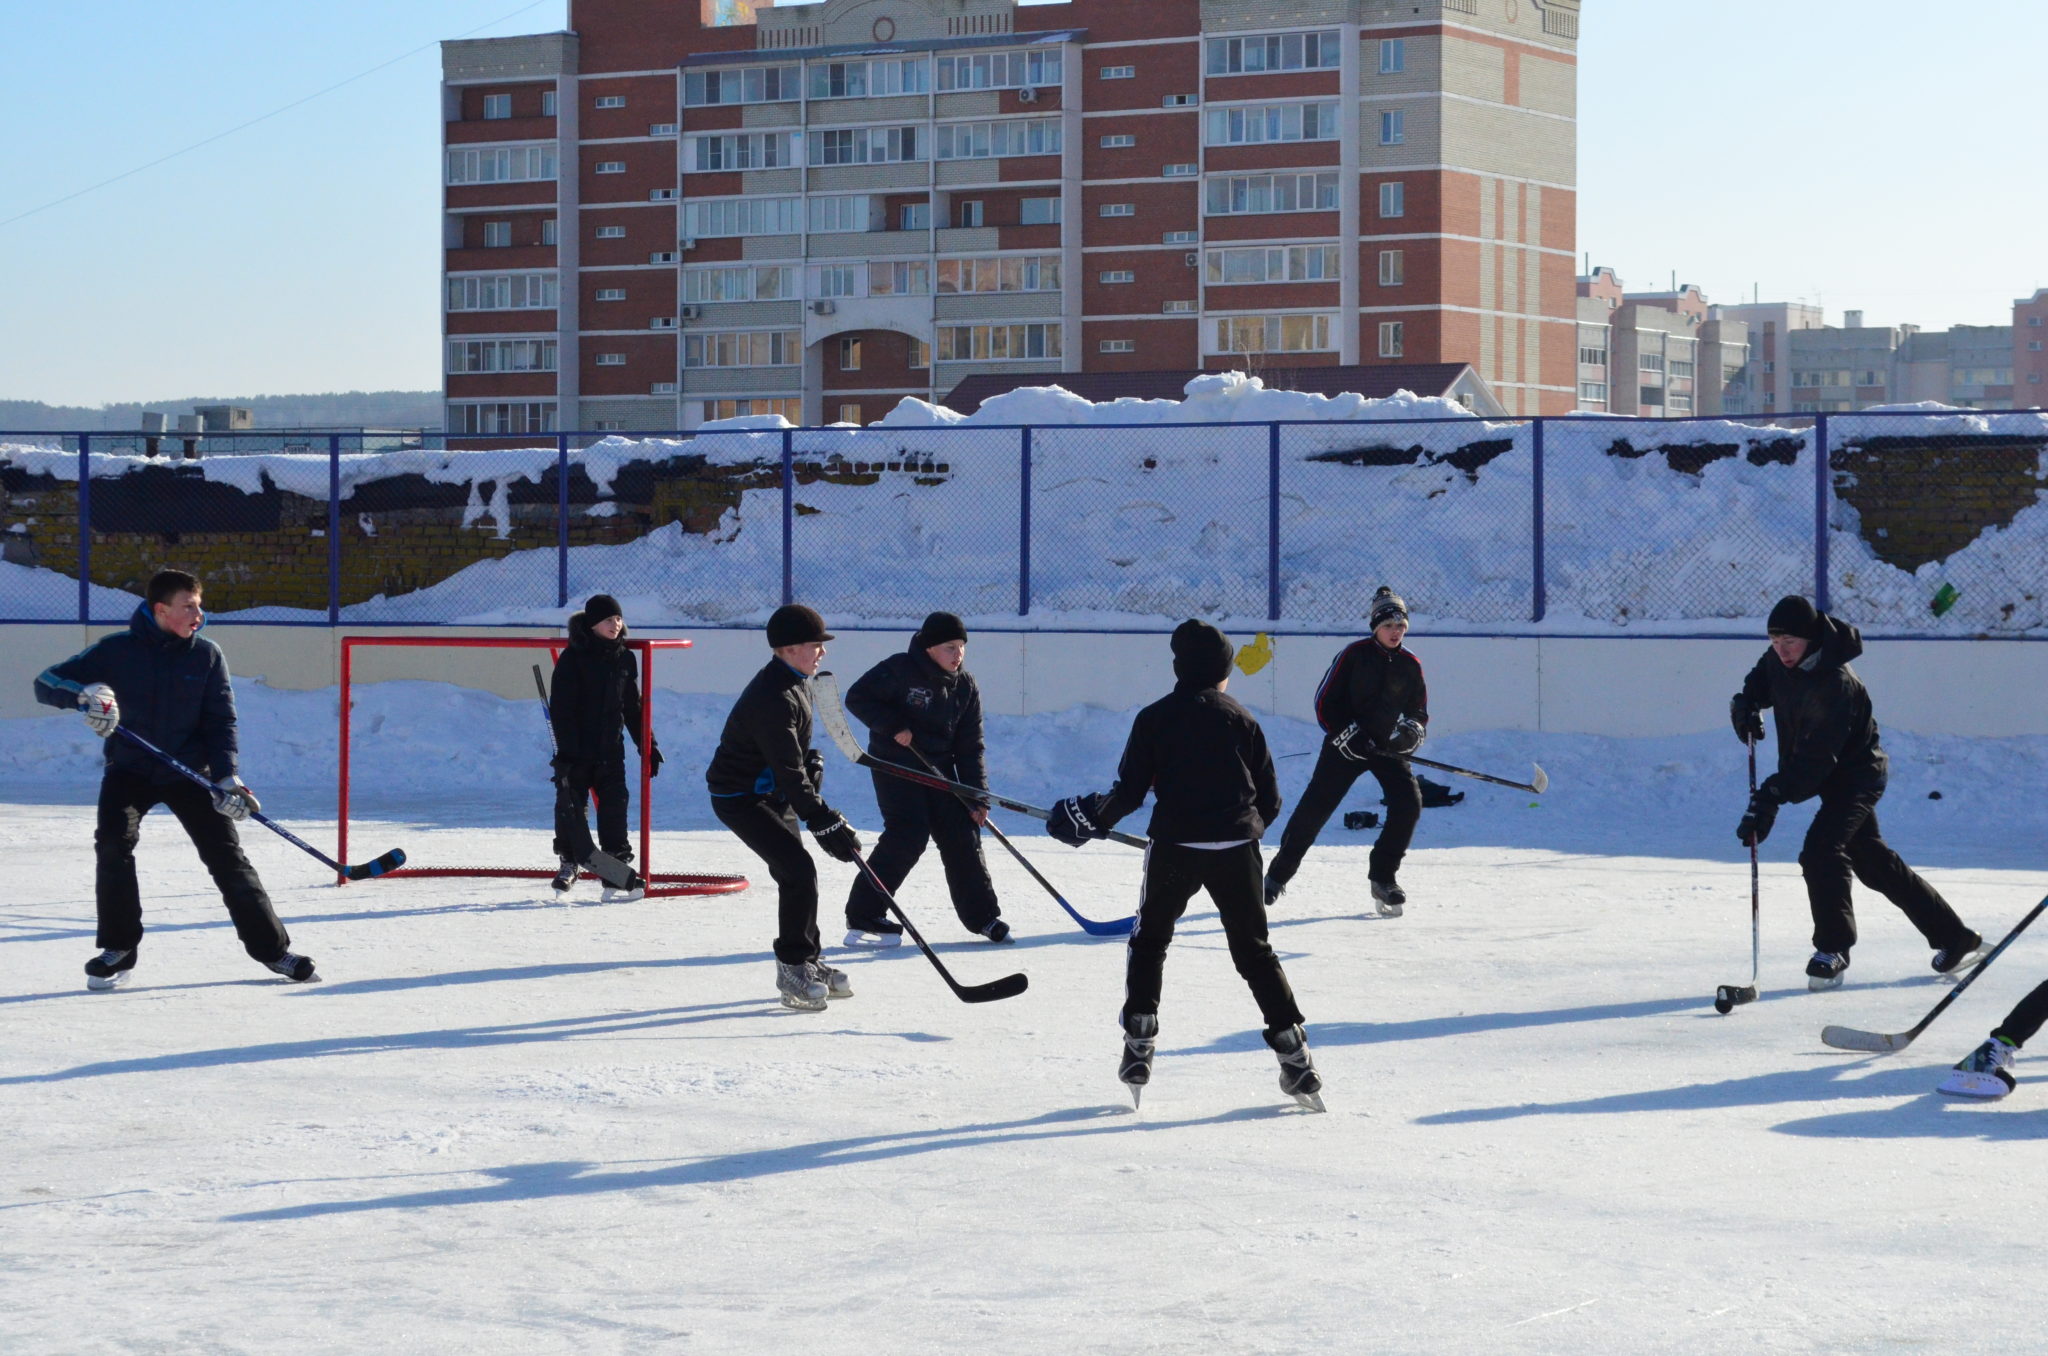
{"x": 764, "y": 778}
{"x": 1374, "y": 710}
{"x": 1987, "y": 1073}
{"x": 1827, "y": 747}
{"x": 925, "y": 702}
{"x": 594, "y": 705}
{"x": 1204, "y": 758}
{"x": 171, "y": 687}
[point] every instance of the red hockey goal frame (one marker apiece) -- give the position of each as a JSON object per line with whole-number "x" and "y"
{"x": 665, "y": 883}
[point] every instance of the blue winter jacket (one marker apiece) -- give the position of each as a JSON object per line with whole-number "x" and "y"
{"x": 173, "y": 692}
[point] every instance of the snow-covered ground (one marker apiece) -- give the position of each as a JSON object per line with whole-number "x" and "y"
{"x": 504, "y": 1122}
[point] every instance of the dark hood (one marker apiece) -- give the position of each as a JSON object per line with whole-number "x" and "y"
{"x": 583, "y": 638}
{"x": 142, "y": 625}
{"x": 929, "y": 668}
{"x": 1837, "y": 643}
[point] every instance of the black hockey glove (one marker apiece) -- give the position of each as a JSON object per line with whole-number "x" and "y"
{"x": 814, "y": 768}
{"x": 1354, "y": 743}
{"x": 654, "y": 759}
{"x": 1075, "y": 820}
{"x": 1406, "y": 738}
{"x": 836, "y": 836}
{"x": 1757, "y": 819}
{"x": 1748, "y": 722}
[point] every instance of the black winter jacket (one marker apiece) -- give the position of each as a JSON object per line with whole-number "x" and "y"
{"x": 1374, "y": 686}
{"x": 173, "y": 692}
{"x": 1204, "y": 757}
{"x": 594, "y": 702}
{"x": 941, "y": 710}
{"x": 1827, "y": 739}
{"x": 763, "y": 748}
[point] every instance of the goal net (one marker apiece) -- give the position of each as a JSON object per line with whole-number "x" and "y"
{"x": 466, "y": 766}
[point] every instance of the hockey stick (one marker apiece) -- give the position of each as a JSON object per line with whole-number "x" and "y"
{"x": 833, "y": 715}
{"x": 1728, "y": 995}
{"x": 1120, "y": 927}
{"x": 377, "y": 867}
{"x": 1009, "y": 986}
{"x": 1539, "y": 783}
{"x": 1849, "y": 1038}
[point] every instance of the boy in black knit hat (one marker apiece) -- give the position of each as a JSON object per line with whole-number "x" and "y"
{"x": 1204, "y": 757}
{"x": 1827, "y": 747}
{"x": 594, "y": 706}
{"x": 923, "y": 709}
{"x": 1374, "y": 710}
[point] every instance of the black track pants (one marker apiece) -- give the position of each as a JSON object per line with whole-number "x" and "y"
{"x": 912, "y": 816}
{"x": 2025, "y": 1019}
{"x": 1233, "y": 879}
{"x": 1844, "y": 842}
{"x": 770, "y": 828}
{"x": 574, "y": 784}
{"x": 1327, "y": 787}
{"x": 125, "y": 797}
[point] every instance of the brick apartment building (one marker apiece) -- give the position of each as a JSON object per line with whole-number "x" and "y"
{"x": 690, "y": 209}
{"x": 1657, "y": 354}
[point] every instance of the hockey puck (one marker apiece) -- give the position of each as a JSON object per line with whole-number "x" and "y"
{"x": 1724, "y": 1003}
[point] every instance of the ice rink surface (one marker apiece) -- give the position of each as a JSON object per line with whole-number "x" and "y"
{"x": 504, "y": 1124}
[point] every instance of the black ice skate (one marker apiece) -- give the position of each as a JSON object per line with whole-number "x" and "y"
{"x": 996, "y": 931}
{"x": 1141, "y": 1037}
{"x": 297, "y": 969}
{"x": 1824, "y": 971}
{"x": 837, "y": 985}
{"x": 1954, "y": 959}
{"x": 634, "y": 888}
{"x": 109, "y": 970}
{"x": 565, "y": 876}
{"x": 1985, "y": 1075}
{"x": 1298, "y": 1076}
{"x": 1388, "y": 898}
{"x": 800, "y": 989}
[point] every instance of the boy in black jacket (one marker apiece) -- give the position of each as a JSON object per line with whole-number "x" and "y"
{"x": 925, "y": 702}
{"x": 1827, "y": 747}
{"x": 1374, "y": 709}
{"x": 171, "y": 686}
{"x": 594, "y": 706}
{"x": 765, "y": 777}
{"x": 1204, "y": 757}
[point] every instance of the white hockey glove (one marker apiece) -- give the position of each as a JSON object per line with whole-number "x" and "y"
{"x": 102, "y": 709}
{"x": 1407, "y": 737}
{"x": 233, "y": 799}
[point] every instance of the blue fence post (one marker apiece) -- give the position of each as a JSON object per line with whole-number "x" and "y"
{"x": 1024, "y": 525}
{"x": 334, "y": 529}
{"x": 1273, "y": 522}
{"x": 561, "y": 520}
{"x": 788, "y": 516}
{"x": 84, "y": 528}
{"x": 1820, "y": 512}
{"x": 1540, "y": 596}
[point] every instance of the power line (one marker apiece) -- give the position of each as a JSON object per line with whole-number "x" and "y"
{"x": 285, "y": 108}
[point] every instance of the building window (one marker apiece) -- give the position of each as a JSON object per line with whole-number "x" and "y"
{"x": 611, "y": 233}
{"x": 1681, "y": 402}
{"x": 849, "y": 412}
{"x": 611, "y": 167}
{"x": 992, "y": 140}
{"x": 1119, "y": 141}
{"x": 1119, "y": 209}
{"x": 1393, "y": 338}
{"x": 1118, "y": 72}
{"x": 914, "y": 216}
{"x": 501, "y": 164}
{"x": 707, "y": 217}
{"x": 611, "y": 294}
{"x": 547, "y": 103}
{"x": 864, "y": 146}
{"x": 837, "y": 215}
{"x": 1649, "y": 396}
{"x": 501, "y": 355}
{"x": 502, "y": 292}
{"x": 1273, "y": 264}
{"x": 837, "y": 280}
{"x": 1178, "y": 101}
{"x": 745, "y": 151}
{"x": 772, "y": 282}
{"x": 1650, "y": 362}
{"x": 1182, "y": 170}
{"x": 1393, "y": 268}
{"x": 1593, "y": 393}
{"x": 1592, "y": 357}
{"x": 1255, "y": 124}
{"x": 610, "y": 425}
{"x": 611, "y": 360}
{"x": 661, "y": 129}
{"x": 1393, "y": 127}
{"x": 751, "y": 85}
{"x": 497, "y": 106}
{"x": 756, "y": 348}
{"x": 1040, "y": 212}
{"x": 611, "y": 101}
{"x": 1393, "y": 200}
{"x": 1681, "y": 370}
{"x": 1011, "y": 273}
{"x": 849, "y": 355}
{"x": 500, "y": 417}
{"x": 790, "y": 408}
{"x": 1178, "y": 308}
{"x": 1115, "y": 346}
{"x": 920, "y": 356}
{"x": 2033, "y": 345}
{"x": 998, "y": 343}
{"x": 1276, "y": 52}
{"x": 967, "y": 213}
{"x": 1393, "y": 56}
{"x": 497, "y": 235}
{"x": 1272, "y": 334}
{"x": 1000, "y": 70}
{"x": 549, "y": 231}
{"x": 910, "y": 278}
{"x": 1258, "y": 193}
{"x": 863, "y": 79}
{"x": 1117, "y": 275}
{"x": 1181, "y": 237}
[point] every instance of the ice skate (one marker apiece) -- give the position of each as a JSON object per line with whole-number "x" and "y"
{"x": 109, "y": 970}
{"x": 634, "y": 888}
{"x": 1953, "y": 960}
{"x": 874, "y": 934}
{"x": 1824, "y": 971}
{"x": 297, "y": 969}
{"x": 837, "y": 985}
{"x": 565, "y": 876}
{"x": 1388, "y": 898}
{"x": 1298, "y": 1076}
{"x": 996, "y": 931}
{"x": 800, "y": 989}
{"x": 1986, "y": 1075}
{"x": 1141, "y": 1037}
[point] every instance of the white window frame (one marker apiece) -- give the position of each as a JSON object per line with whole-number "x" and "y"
{"x": 744, "y": 85}
{"x": 1393, "y": 339}
{"x": 1024, "y": 68}
{"x": 609, "y": 294}
{"x": 611, "y": 167}
{"x": 524, "y": 291}
{"x": 964, "y": 275}
{"x": 1027, "y": 342}
{"x": 1236, "y": 266}
{"x": 1266, "y": 194}
{"x": 1393, "y": 268}
{"x": 468, "y": 354}
{"x": 864, "y": 146}
{"x": 1261, "y": 54}
{"x": 840, "y": 214}
{"x": 1040, "y": 211}
{"x": 611, "y": 233}
{"x": 1393, "y": 56}
{"x": 1270, "y": 123}
{"x": 1118, "y": 209}
{"x": 1116, "y": 346}
{"x": 611, "y": 360}
{"x": 1117, "y": 73}
{"x": 497, "y": 235}
{"x": 723, "y": 152}
{"x": 1186, "y": 169}
{"x": 739, "y": 282}
{"x": 512, "y": 163}
{"x": 719, "y": 218}
{"x": 494, "y": 418}
{"x": 1301, "y": 332}
{"x": 743, "y": 348}
{"x": 1002, "y": 139}
{"x": 497, "y": 107}
{"x": 1118, "y": 141}
{"x": 609, "y": 101}
{"x": 1394, "y": 127}
{"x": 1113, "y": 276}
{"x": 849, "y": 353}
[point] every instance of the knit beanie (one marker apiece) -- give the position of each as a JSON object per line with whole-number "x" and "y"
{"x": 939, "y": 628}
{"x": 1201, "y": 653}
{"x": 1794, "y": 616}
{"x": 1387, "y": 606}
{"x": 795, "y": 624}
{"x": 601, "y": 606}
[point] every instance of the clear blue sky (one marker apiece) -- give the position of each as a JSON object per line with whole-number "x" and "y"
{"x": 1855, "y": 153}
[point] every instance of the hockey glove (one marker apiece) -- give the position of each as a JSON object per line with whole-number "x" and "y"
{"x": 1074, "y": 820}
{"x": 102, "y": 709}
{"x": 814, "y": 768}
{"x": 1354, "y": 743}
{"x": 1757, "y": 820}
{"x": 1406, "y": 738}
{"x": 654, "y": 759}
{"x": 233, "y": 799}
{"x": 1749, "y": 724}
{"x": 836, "y": 836}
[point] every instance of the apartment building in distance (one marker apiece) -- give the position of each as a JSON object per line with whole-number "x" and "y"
{"x": 2030, "y": 351}
{"x": 1656, "y": 354}
{"x": 684, "y": 210}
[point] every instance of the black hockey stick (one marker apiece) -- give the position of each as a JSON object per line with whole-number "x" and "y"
{"x": 1009, "y": 986}
{"x": 1876, "y": 1042}
{"x": 1728, "y": 995}
{"x": 833, "y": 715}
{"x": 1120, "y": 927}
{"x": 1539, "y": 783}
{"x": 377, "y": 867}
